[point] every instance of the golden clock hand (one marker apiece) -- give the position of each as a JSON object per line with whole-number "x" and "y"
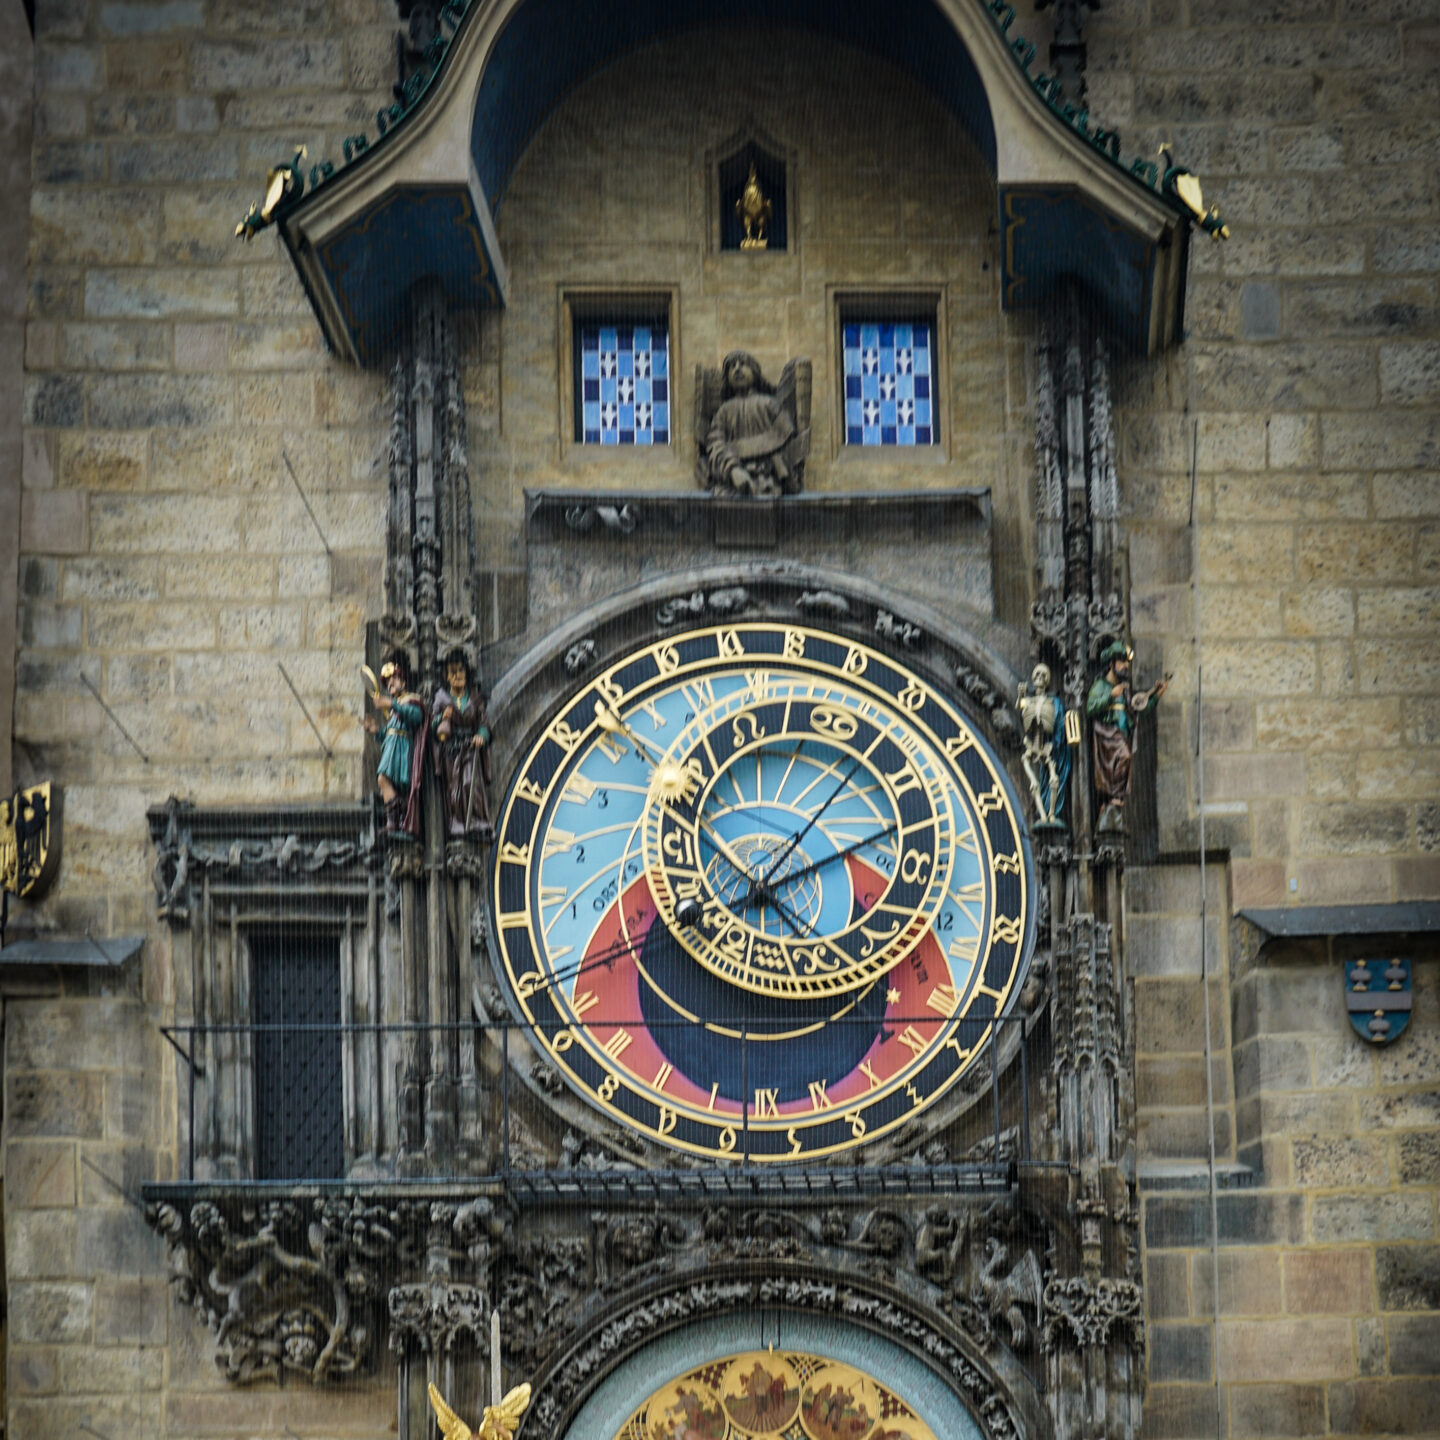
{"x": 609, "y": 720}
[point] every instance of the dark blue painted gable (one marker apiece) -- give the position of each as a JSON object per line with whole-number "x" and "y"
{"x": 550, "y": 46}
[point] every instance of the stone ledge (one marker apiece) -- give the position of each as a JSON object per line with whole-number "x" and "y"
{"x": 1302, "y": 921}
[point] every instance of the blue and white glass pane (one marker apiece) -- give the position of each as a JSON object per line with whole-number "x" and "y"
{"x": 888, "y": 393}
{"x": 625, "y": 385}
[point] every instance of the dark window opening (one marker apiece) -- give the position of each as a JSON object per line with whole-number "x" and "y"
{"x": 299, "y": 1101}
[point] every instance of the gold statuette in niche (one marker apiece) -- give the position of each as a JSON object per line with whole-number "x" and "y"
{"x": 754, "y": 211}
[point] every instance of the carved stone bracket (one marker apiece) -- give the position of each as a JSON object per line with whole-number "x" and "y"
{"x": 1086, "y": 1313}
{"x": 432, "y": 1318}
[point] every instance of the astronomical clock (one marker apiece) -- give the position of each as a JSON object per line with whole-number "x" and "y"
{"x": 761, "y": 891}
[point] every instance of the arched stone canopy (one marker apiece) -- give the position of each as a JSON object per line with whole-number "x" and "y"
{"x": 420, "y": 200}
{"x": 599, "y": 1377}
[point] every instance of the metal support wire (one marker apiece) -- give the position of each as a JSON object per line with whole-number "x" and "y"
{"x": 1204, "y": 975}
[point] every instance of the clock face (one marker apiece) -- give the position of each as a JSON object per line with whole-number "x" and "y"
{"x": 761, "y": 891}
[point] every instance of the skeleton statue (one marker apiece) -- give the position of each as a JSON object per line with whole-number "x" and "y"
{"x": 1047, "y": 755}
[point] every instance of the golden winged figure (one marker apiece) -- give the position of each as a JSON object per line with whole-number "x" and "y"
{"x": 499, "y": 1422}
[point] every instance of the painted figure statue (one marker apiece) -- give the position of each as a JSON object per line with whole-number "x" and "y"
{"x": 1047, "y": 753}
{"x": 752, "y": 437}
{"x": 1114, "y": 712}
{"x": 402, "y": 749}
{"x": 463, "y": 754}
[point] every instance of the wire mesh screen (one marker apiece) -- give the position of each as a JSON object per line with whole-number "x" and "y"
{"x": 299, "y": 1104}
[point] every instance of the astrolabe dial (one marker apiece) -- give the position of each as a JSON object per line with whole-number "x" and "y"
{"x": 761, "y": 891}
{"x": 787, "y": 780}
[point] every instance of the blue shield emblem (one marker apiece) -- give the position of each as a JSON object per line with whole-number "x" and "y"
{"x": 1377, "y": 998}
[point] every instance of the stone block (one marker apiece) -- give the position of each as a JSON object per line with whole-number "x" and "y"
{"x": 190, "y": 524}
{"x": 1342, "y": 882}
{"x": 130, "y": 402}
{"x": 104, "y": 460}
{"x": 159, "y": 294}
{"x": 1334, "y": 1162}
{"x": 1417, "y": 878}
{"x": 1169, "y": 1017}
{"x": 266, "y": 65}
{"x": 1285, "y": 1350}
{"x": 1414, "y": 1345}
{"x": 1401, "y": 610}
{"x": 1356, "y": 829}
{"x": 1167, "y": 1285}
{"x": 146, "y": 66}
{"x": 196, "y": 115}
{"x": 1179, "y": 1412}
{"x": 111, "y": 1033}
{"x": 112, "y": 1415}
{"x": 42, "y": 626}
{"x": 91, "y": 227}
{"x": 1180, "y": 1134}
{"x": 168, "y": 162}
{"x": 1408, "y": 1277}
{"x": 116, "y": 1242}
{"x": 1317, "y": 611}
{"x": 1268, "y": 1218}
{"x": 51, "y": 1312}
{"x": 1272, "y": 1062}
{"x": 115, "y": 347}
{"x": 201, "y": 346}
{"x": 1382, "y": 441}
{"x": 124, "y": 626}
{"x": 54, "y": 400}
{"x": 32, "y": 1369}
{"x": 107, "y": 579}
{"x": 1261, "y": 667}
{"x": 54, "y": 1105}
{"x": 276, "y": 345}
{"x": 1249, "y": 1283}
{"x": 1329, "y": 1282}
{"x": 1410, "y": 373}
{"x": 1336, "y": 1219}
{"x": 164, "y": 17}
{"x": 1259, "y": 883}
{"x": 40, "y": 1245}
{"x": 260, "y": 627}
{"x": 133, "y": 115}
{"x": 1179, "y": 1353}
{"x": 68, "y": 162}
{"x": 1384, "y": 1407}
{"x": 131, "y": 1312}
{"x": 118, "y": 1371}
{"x": 1409, "y": 1110}
{"x": 1258, "y": 1412}
{"x": 39, "y": 1174}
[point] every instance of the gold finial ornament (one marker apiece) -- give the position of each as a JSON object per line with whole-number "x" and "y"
{"x": 1186, "y": 187}
{"x": 282, "y": 182}
{"x": 754, "y": 211}
{"x": 499, "y": 1422}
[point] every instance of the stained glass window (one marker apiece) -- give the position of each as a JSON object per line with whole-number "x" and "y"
{"x": 622, "y": 392}
{"x": 888, "y": 370}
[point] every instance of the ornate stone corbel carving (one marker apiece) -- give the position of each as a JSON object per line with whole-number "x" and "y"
{"x": 1085, "y": 1313}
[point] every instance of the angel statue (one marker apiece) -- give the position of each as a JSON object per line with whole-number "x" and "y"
{"x": 1047, "y": 754}
{"x": 752, "y": 437}
{"x": 499, "y": 1422}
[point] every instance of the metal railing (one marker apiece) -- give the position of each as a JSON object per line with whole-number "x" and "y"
{"x": 385, "y": 1068}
